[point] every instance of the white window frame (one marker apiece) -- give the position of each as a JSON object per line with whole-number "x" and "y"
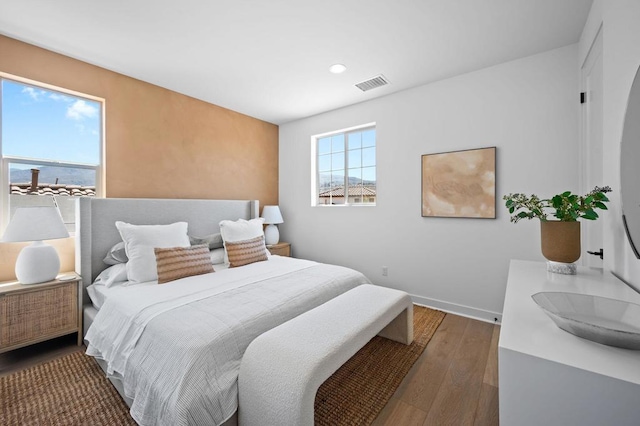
{"x": 315, "y": 185}
{"x": 6, "y": 159}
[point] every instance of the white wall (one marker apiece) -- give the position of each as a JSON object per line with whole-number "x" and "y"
{"x": 527, "y": 108}
{"x": 621, "y": 53}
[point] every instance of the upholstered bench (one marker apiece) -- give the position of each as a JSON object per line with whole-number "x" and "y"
{"x": 283, "y": 368}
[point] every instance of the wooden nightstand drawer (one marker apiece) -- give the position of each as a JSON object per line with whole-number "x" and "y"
{"x": 280, "y": 249}
{"x": 31, "y": 315}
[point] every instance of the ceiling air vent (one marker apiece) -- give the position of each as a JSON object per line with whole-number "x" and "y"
{"x": 372, "y": 83}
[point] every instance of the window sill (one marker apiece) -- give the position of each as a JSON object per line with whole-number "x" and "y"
{"x": 344, "y": 205}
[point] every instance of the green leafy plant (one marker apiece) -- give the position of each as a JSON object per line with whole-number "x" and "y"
{"x": 566, "y": 207}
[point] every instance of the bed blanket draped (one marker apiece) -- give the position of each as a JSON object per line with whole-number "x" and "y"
{"x": 177, "y": 347}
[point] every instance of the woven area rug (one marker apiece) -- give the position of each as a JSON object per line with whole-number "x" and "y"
{"x": 72, "y": 390}
{"x": 359, "y": 390}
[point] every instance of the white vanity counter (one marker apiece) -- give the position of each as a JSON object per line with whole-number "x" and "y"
{"x": 548, "y": 376}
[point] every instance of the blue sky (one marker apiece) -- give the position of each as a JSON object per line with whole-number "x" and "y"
{"x": 49, "y": 125}
{"x": 360, "y": 147}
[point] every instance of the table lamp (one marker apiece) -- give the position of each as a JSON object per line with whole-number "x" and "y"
{"x": 271, "y": 216}
{"x": 38, "y": 262}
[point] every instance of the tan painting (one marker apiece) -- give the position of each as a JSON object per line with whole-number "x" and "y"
{"x": 460, "y": 184}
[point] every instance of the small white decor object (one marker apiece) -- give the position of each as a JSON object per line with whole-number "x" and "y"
{"x": 67, "y": 277}
{"x": 38, "y": 262}
{"x": 272, "y": 217}
{"x": 599, "y": 319}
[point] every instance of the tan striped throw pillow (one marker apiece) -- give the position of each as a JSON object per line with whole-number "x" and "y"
{"x": 179, "y": 262}
{"x": 245, "y": 252}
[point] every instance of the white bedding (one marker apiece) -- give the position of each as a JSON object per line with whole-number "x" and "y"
{"x": 178, "y": 346}
{"x": 99, "y": 293}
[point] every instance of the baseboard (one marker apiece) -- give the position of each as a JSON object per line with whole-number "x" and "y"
{"x": 462, "y": 310}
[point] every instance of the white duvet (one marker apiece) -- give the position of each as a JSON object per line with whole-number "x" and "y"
{"x": 177, "y": 347}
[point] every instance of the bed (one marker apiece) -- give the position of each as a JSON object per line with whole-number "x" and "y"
{"x": 173, "y": 351}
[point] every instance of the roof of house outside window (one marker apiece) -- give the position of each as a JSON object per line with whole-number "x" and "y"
{"x": 52, "y": 189}
{"x": 354, "y": 191}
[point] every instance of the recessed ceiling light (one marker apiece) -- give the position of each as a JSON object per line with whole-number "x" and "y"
{"x": 337, "y": 68}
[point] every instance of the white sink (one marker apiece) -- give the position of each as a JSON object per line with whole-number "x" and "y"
{"x": 599, "y": 319}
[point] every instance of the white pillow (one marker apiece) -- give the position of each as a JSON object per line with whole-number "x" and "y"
{"x": 111, "y": 275}
{"x": 240, "y": 230}
{"x": 139, "y": 242}
{"x": 217, "y": 256}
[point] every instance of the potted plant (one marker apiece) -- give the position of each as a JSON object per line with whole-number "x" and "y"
{"x": 561, "y": 237}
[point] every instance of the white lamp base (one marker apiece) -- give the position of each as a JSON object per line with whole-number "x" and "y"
{"x": 271, "y": 235}
{"x": 37, "y": 263}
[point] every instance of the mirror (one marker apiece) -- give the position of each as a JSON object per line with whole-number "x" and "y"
{"x": 629, "y": 167}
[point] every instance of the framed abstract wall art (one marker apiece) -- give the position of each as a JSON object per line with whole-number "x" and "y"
{"x": 459, "y": 184}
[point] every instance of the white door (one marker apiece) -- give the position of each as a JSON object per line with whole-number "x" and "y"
{"x": 592, "y": 117}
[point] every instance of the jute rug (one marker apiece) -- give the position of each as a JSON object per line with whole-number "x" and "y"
{"x": 72, "y": 390}
{"x": 359, "y": 390}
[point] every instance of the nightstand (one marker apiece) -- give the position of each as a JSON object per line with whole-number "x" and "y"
{"x": 280, "y": 249}
{"x": 37, "y": 312}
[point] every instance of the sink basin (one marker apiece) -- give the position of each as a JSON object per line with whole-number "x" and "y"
{"x": 599, "y": 319}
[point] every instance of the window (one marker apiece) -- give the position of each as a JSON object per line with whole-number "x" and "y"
{"x": 50, "y": 146}
{"x": 345, "y": 167}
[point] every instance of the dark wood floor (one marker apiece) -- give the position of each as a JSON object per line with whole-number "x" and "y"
{"x": 454, "y": 382}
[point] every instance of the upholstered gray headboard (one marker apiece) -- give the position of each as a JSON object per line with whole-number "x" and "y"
{"x": 96, "y": 232}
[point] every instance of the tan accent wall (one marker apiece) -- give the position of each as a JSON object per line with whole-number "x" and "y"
{"x": 159, "y": 143}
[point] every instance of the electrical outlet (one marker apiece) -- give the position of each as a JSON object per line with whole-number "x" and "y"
{"x": 385, "y": 271}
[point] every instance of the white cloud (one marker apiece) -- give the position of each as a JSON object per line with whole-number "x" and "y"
{"x": 81, "y": 110}
{"x": 59, "y": 97}
{"x": 33, "y": 93}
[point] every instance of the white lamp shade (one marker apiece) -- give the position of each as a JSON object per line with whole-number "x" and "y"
{"x": 272, "y": 215}
{"x": 35, "y": 224}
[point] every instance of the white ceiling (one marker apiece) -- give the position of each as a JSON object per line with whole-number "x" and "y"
{"x": 269, "y": 58}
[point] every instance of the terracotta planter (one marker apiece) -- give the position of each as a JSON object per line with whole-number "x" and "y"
{"x": 560, "y": 240}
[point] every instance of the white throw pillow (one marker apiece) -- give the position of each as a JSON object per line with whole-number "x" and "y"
{"x": 139, "y": 242}
{"x": 234, "y": 231}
